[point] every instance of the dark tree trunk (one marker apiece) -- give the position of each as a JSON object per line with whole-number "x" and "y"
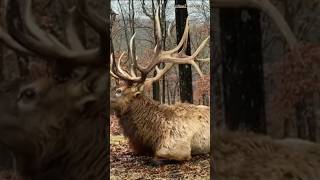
{"x": 242, "y": 69}
{"x": 306, "y": 120}
{"x": 155, "y": 85}
{"x": 164, "y": 36}
{"x": 1, "y": 63}
{"x": 156, "y": 90}
{"x": 105, "y": 54}
{"x": 163, "y": 90}
{"x": 168, "y": 93}
{"x": 185, "y": 73}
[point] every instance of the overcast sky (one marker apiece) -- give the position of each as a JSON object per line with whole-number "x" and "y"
{"x": 193, "y": 6}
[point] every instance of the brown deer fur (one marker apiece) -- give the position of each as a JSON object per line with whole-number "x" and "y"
{"x": 240, "y": 155}
{"x": 169, "y": 132}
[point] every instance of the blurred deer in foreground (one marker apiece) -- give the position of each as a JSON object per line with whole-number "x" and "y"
{"x": 240, "y": 155}
{"x": 168, "y": 132}
{"x": 52, "y": 128}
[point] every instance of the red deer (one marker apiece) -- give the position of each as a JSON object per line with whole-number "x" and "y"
{"x": 240, "y": 155}
{"x": 53, "y": 128}
{"x": 168, "y": 132}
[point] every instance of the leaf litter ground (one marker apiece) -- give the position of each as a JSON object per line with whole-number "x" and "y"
{"x": 126, "y": 165}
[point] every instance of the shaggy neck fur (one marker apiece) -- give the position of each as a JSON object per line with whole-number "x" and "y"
{"x": 139, "y": 122}
{"x": 82, "y": 155}
{"x": 87, "y": 151}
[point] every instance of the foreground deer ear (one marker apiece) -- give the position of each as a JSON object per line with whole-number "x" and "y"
{"x": 84, "y": 103}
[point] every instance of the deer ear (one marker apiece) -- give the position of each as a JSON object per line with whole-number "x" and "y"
{"x": 84, "y": 103}
{"x": 136, "y": 94}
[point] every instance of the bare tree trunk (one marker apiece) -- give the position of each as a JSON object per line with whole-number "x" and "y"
{"x": 242, "y": 70}
{"x": 301, "y": 123}
{"x": 168, "y": 94}
{"x": 174, "y": 92}
{"x": 1, "y": 63}
{"x": 306, "y": 119}
{"x": 125, "y": 25}
{"x": 164, "y": 36}
{"x": 155, "y": 85}
{"x": 185, "y": 73}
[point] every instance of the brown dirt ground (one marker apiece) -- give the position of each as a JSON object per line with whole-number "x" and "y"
{"x": 126, "y": 165}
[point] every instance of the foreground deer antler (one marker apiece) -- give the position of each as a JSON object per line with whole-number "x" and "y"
{"x": 168, "y": 132}
{"x": 53, "y": 129}
{"x": 267, "y": 7}
{"x": 41, "y": 43}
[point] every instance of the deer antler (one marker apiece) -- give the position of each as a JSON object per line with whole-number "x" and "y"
{"x": 97, "y": 22}
{"x": 170, "y": 57}
{"x": 267, "y": 7}
{"x": 40, "y": 42}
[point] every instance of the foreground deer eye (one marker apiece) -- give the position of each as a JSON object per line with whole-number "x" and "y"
{"x": 118, "y": 92}
{"x": 28, "y": 93}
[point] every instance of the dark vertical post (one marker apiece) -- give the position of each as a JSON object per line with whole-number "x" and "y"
{"x": 1, "y": 62}
{"x": 105, "y": 54}
{"x": 185, "y": 73}
{"x": 242, "y": 68}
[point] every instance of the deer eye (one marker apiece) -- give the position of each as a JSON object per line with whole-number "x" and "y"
{"x": 118, "y": 92}
{"x": 28, "y": 93}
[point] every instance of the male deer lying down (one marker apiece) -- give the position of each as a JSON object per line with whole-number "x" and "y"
{"x": 52, "y": 128}
{"x": 168, "y": 132}
{"x": 240, "y": 155}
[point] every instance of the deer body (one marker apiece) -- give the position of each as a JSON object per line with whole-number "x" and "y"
{"x": 241, "y": 155}
{"x": 171, "y": 132}
{"x": 168, "y": 132}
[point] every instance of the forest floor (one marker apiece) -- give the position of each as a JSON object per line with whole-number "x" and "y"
{"x": 126, "y": 165}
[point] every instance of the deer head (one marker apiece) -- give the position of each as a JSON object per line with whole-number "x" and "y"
{"x": 136, "y": 78}
{"x": 47, "y": 124}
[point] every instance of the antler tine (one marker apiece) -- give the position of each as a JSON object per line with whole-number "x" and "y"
{"x": 97, "y": 22}
{"x": 269, "y": 9}
{"x": 185, "y": 59}
{"x": 46, "y": 45}
{"x": 160, "y": 73}
{"x": 71, "y": 32}
{"x": 12, "y": 44}
{"x": 36, "y": 31}
{"x": 170, "y": 28}
{"x": 158, "y": 52}
{"x": 112, "y": 67}
{"x": 133, "y": 63}
{"x": 144, "y": 71}
{"x": 171, "y": 57}
{"x": 117, "y": 71}
{"x": 183, "y": 39}
{"x": 178, "y": 57}
{"x": 158, "y": 28}
{"x": 123, "y": 72}
{"x": 9, "y": 41}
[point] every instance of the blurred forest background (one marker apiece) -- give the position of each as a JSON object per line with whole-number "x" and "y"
{"x": 291, "y": 83}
